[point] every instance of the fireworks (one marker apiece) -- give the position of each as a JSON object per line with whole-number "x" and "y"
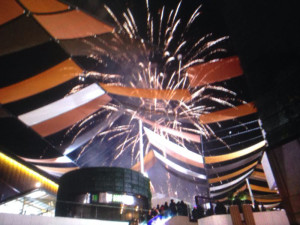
{"x": 152, "y": 68}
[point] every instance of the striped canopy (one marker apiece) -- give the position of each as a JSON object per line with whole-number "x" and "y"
{"x": 67, "y": 104}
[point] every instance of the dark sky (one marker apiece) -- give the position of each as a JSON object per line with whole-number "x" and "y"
{"x": 210, "y": 20}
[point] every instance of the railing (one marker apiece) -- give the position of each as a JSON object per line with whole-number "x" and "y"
{"x": 119, "y": 212}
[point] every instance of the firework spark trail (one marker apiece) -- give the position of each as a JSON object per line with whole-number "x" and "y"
{"x": 119, "y": 130}
{"x": 128, "y": 27}
{"x": 193, "y": 17}
{"x": 170, "y": 38}
{"x": 160, "y": 24}
{"x": 176, "y": 12}
{"x": 130, "y": 23}
{"x": 126, "y": 144}
{"x": 191, "y": 63}
{"x": 113, "y": 16}
{"x": 148, "y": 18}
{"x": 182, "y": 44}
{"x": 187, "y": 55}
{"x": 83, "y": 125}
{"x": 93, "y": 138}
{"x": 208, "y": 45}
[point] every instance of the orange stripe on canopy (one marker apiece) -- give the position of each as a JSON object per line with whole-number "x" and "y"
{"x": 262, "y": 189}
{"x": 259, "y": 166}
{"x": 228, "y": 114}
{"x": 231, "y": 175}
{"x": 239, "y": 190}
{"x": 9, "y": 9}
{"x": 44, "y": 6}
{"x": 72, "y": 24}
{"x": 41, "y": 82}
{"x": 71, "y": 117}
{"x": 234, "y": 155}
{"x": 149, "y": 161}
{"x": 265, "y": 200}
{"x": 178, "y": 94}
{"x": 215, "y": 71}
{"x": 258, "y": 175}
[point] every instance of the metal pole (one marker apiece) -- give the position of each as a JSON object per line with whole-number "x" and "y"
{"x": 207, "y": 184}
{"x": 23, "y": 206}
{"x": 250, "y": 191}
{"x": 141, "y": 146}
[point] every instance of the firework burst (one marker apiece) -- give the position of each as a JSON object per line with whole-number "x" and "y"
{"x": 153, "y": 67}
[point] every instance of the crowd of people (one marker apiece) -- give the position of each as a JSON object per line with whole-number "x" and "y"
{"x": 169, "y": 209}
{"x": 181, "y": 209}
{"x": 199, "y": 212}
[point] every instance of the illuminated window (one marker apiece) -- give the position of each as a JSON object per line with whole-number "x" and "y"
{"x": 94, "y": 198}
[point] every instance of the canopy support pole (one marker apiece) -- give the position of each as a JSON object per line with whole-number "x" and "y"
{"x": 250, "y": 192}
{"x": 141, "y": 146}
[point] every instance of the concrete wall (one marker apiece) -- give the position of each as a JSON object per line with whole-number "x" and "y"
{"x": 285, "y": 164}
{"x": 16, "y": 219}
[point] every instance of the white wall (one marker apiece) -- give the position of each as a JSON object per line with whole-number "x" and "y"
{"x": 16, "y": 219}
{"x": 261, "y": 218}
{"x": 216, "y": 220}
{"x": 271, "y": 217}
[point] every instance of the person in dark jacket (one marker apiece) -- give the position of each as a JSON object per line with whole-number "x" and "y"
{"x": 220, "y": 208}
{"x": 173, "y": 208}
{"x": 200, "y": 211}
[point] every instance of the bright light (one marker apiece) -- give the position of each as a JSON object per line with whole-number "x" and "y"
{"x": 37, "y": 202}
{"x": 116, "y": 198}
{"x": 207, "y": 205}
{"x": 125, "y": 199}
{"x": 122, "y": 208}
{"x": 160, "y": 220}
{"x": 37, "y": 194}
{"x": 87, "y": 198}
{"x": 146, "y": 174}
{"x": 109, "y": 197}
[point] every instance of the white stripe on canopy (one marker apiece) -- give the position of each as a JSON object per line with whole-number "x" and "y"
{"x": 173, "y": 149}
{"x": 212, "y": 195}
{"x": 178, "y": 168}
{"x": 63, "y": 105}
{"x": 231, "y": 182}
{"x": 61, "y": 159}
